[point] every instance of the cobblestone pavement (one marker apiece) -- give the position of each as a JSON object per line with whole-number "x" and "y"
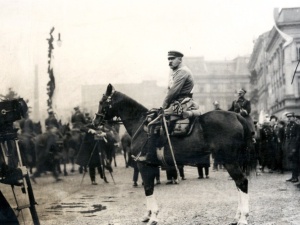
{"x": 210, "y": 201}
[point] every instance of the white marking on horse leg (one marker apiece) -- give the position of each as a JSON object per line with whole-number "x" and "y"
{"x": 238, "y": 211}
{"x": 244, "y": 208}
{"x": 152, "y": 205}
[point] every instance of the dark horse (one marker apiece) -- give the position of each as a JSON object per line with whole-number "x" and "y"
{"x": 224, "y": 133}
{"x": 27, "y": 145}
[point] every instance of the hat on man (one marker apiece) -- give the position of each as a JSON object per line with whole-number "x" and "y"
{"x": 76, "y": 108}
{"x": 216, "y": 103}
{"x": 290, "y": 114}
{"x": 242, "y": 90}
{"x": 174, "y": 54}
{"x": 50, "y": 111}
{"x": 273, "y": 117}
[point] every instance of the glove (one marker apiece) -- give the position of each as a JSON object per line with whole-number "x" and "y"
{"x": 91, "y": 131}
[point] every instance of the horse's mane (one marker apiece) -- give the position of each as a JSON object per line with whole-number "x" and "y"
{"x": 129, "y": 101}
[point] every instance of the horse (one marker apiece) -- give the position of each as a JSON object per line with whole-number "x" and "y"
{"x": 222, "y": 132}
{"x": 27, "y": 145}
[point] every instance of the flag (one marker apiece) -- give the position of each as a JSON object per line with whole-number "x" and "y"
{"x": 288, "y": 39}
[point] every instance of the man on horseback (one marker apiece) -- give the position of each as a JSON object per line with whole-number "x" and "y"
{"x": 243, "y": 107}
{"x": 78, "y": 119}
{"x": 51, "y": 120}
{"x": 181, "y": 83}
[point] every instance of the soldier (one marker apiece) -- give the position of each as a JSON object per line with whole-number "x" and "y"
{"x": 216, "y": 105}
{"x": 181, "y": 85}
{"x": 88, "y": 119}
{"x": 78, "y": 119}
{"x": 292, "y": 134}
{"x": 51, "y": 120}
{"x": 181, "y": 81}
{"x": 243, "y": 107}
{"x": 266, "y": 136}
{"x": 26, "y": 125}
{"x": 89, "y": 153}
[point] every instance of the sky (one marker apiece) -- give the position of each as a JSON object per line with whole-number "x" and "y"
{"x": 120, "y": 41}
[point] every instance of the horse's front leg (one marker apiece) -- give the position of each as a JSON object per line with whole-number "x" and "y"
{"x": 148, "y": 175}
{"x": 243, "y": 197}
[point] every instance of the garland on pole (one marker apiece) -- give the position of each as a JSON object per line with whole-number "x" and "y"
{"x": 51, "y": 83}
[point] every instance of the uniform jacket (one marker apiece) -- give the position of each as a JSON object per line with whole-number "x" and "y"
{"x": 78, "y": 120}
{"x": 51, "y": 120}
{"x": 181, "y": 83}
{"x": 292, "y": 137}
{"x": 241, "y": 103}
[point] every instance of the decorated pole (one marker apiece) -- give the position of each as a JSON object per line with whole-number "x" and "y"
{"x": 51, "y": 82}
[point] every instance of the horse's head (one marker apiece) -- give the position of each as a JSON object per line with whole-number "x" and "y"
{"x": 107, "y": 109}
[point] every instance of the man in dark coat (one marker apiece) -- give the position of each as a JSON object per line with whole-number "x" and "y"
{"x": 292, "y": 138}
{"x": 96, "y": 147}
{"x": 243, "y": 107}
{"x": 51, "y": 120}
{"x": 266, "y": 137}
{"x": 78, "y": 119}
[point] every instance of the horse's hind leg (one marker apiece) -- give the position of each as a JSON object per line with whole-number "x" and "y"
{"x": 148, "y": 175}
{"x": 242, "y": 184}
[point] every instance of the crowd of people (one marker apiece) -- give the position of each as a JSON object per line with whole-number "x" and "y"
{"x": 276, "y": 141}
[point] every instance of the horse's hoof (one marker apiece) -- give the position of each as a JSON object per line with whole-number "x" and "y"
{"x": 146, "y": 217}
{"x": 72, "y": 171}
{"x": 105, "y": 180}
{"x": 152, "y": 222}
{"x": 65, "y": 174}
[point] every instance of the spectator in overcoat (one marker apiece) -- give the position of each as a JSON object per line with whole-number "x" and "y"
{"x": 292, "y": 138}
{"x": 266, "y": 138}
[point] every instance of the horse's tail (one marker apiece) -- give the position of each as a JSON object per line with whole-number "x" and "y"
{"x": 248, "y": 157}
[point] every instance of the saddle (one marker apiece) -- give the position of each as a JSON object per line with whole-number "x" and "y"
{"x": 180, "y": 118}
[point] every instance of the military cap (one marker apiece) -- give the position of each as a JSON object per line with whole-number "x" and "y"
{"x": 76, "y": 108}
{"x": 290, "y": 114}
{"x": 242, "y": 90}
{"x": 216, "y": 103}
{"x": 273, "y": 117}
{"x": 174, "y": 54}
{"x": 297, "y": 116}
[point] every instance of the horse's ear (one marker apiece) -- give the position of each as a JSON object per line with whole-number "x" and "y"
{"x": 110, "y": 90}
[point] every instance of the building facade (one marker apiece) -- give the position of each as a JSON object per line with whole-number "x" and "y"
{"x": 214, "y": 81}
{"x": 273, "y": 65}
{"x": 218, "y": 80}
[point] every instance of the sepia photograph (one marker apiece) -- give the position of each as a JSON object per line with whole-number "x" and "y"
{"x": 130, "y": 112}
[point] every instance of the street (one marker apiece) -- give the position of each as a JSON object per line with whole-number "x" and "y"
{"x": 206, "y": 201}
